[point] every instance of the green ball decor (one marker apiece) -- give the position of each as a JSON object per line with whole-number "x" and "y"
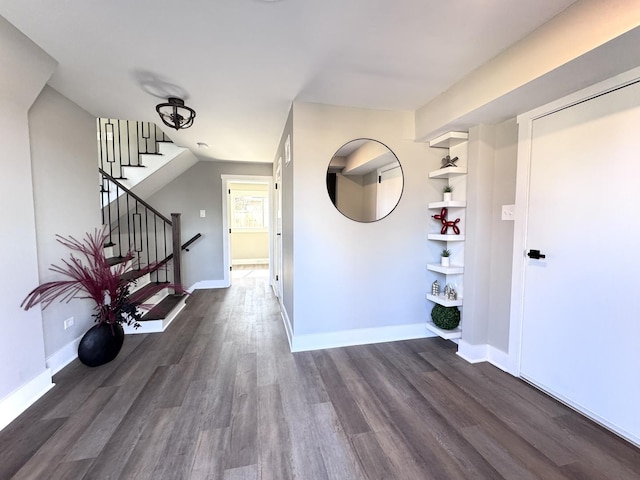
{"x": 446, "y": 318}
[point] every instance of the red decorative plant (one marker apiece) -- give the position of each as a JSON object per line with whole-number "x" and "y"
{"x": 92, "y": 277}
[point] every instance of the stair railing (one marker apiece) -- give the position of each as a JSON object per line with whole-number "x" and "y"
{"x": 121, "y": 143}
{"x": 136, "y": 226}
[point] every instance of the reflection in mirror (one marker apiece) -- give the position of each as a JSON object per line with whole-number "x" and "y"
{"x": 364, "y": 180}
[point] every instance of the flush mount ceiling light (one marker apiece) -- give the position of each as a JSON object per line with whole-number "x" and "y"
{"x": 175, "y": 113}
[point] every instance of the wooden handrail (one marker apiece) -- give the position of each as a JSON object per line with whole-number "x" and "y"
{"x": 129, "y": 192}
{"x": 183, "y": 247}
{"x": 193, "y": 239}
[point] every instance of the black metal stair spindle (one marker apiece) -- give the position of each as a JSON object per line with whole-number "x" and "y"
{"x": 108, "y": 128}
{"x": 164, "y": 237}
{"x": 118, "y": 220}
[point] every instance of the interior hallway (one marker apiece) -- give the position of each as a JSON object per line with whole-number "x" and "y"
{"x": 219, "y": 396}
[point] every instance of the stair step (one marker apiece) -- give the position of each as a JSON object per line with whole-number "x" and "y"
{"x": 162, "y": 309}
{"x": 132, "y": 275}
{"x": 115, "y": 260}
{"x": 144, "y": 293}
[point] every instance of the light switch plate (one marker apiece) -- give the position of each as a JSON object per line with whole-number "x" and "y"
{"x": 508, "y": 212}
{"x": 203, "y": 213}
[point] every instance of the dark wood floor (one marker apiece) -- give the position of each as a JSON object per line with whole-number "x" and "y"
{"x": 218, "y": 396}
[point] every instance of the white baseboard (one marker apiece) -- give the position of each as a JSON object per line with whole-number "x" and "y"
{"x": 360, "y": 336}
{"x": 287, "y": 325}
{"x": 17, "y": 402}
{"x": 484, "y": 353}
{"x": 64, "y": 356}
{"x": 204, "y": 284}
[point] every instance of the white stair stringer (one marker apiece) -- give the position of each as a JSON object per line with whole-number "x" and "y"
{"x": 158, "y": 171}
{"x": 162, "y": 176}
{"x": 152, "y": 163}
{"x": 153, "y": 326}
{"x": 156, "y": 326}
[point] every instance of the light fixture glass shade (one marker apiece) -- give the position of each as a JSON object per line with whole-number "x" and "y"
{"x": 176, "y": 114}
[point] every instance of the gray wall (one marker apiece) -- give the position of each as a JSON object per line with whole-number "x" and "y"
{"x": 65, "y": 180}
{"x": 504, "y": 193}
{"x": 287, "y": 216}
{"x": 352, "y": 275}
{"x": 489, "y": 242}
{"x": 25, "y": 70}
{"x": 200, "y": 188}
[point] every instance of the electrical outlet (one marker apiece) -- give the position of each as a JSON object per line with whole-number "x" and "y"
{"x": 68, "y": 322}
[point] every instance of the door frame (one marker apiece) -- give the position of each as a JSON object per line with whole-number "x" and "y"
{"x": 525, "y": 130}
{"x": 226, "y": 247}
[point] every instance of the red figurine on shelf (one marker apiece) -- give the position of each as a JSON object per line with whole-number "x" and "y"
{"x": 447, "y": 223}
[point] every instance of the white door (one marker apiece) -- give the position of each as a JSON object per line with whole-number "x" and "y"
{"x": 581, "y": 316}
{"x": 389, "y": 191}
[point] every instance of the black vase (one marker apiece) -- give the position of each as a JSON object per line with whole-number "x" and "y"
{"x": 101, "y": 344}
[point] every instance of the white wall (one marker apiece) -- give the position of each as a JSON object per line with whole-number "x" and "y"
{"x": 352, "y": 275}
{"x": 23, "y": 375}
{"x": 63, "y": 153}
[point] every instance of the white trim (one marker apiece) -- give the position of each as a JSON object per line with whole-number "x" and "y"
{"x": 287, "y": 325}
{"x": 359, "y": 336}
{"x": 525, "y": 122}
{"x": 204, "y": 284}
{"x": 63, "y": 357}
{"x": 17, "y": 402}
{"x": 473, "y": 353}
{"x": 226, "y": 248}
{"x": 484, "y": 353}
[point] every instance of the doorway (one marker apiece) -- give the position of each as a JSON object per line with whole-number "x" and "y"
{"x": 574, "y": 318}
{"x": 247, "y": 223}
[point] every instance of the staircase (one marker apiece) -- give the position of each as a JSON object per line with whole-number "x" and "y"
{"x": 126, "y": 147}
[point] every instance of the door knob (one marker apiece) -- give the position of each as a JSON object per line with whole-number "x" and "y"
{"x": 536, "y": 255}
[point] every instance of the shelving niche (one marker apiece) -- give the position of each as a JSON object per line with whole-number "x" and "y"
{"x": 453, "y": 144}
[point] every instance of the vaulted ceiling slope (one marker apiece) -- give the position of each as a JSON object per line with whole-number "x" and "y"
{"x": 240, "y": 63}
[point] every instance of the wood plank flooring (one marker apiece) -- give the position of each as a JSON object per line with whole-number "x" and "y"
{"x": 219, "y": 396}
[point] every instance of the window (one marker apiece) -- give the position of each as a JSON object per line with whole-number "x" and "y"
{"x": 250, "y": 210}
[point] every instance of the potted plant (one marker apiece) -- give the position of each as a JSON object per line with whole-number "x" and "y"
{"x": 447, "y": 191}
{"x": 446, "y": 318}
{"x": 91, "y": 276}
{"x": 444, "y": 257}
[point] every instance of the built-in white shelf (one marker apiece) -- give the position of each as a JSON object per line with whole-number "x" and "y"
{"x": 446, "y": 334}
{"x": 442, "y": 300}
{"x": 449, "y": 139}
{"x": 449, "y": 204}
{"x": 450, "y": 270}
{"x": 448, "y": 172}
{"x": 446, "y": 237}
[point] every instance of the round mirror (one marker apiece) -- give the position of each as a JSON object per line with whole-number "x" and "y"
{"x": 364, "y": 180}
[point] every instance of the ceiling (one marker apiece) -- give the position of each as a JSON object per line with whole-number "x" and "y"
{"x": 240, "y": 63}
